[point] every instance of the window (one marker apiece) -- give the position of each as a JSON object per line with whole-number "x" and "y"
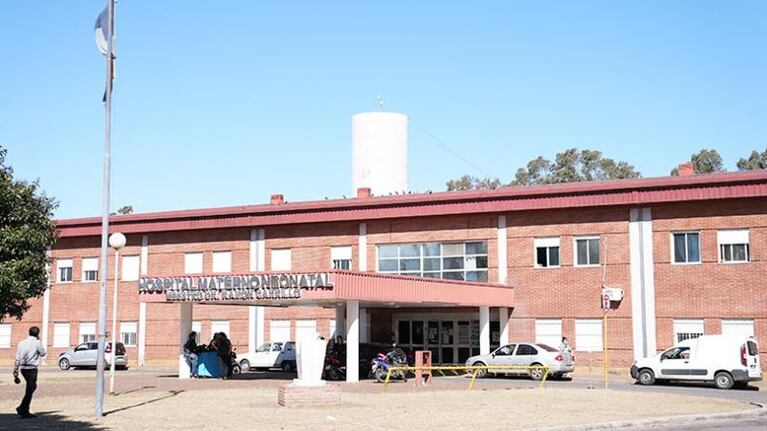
{"x": 738, "y": 327}
{"x": 455, "y": 261}
{"x": 505, "y": 350}
{"x": 193, "y": 263}
{"x": 87, "y": 332}
{"x": 197, "y": 327}
{"x": 682, "y": 353}
{"x": 685, "y": 247}
{"x": 130, "y": 269}
{"x": 217, "y": 326}
{"x": 5, "y": 335}
{"x": 128, "y": 333}
{"x": 64, "y": 267}
{"x": 281, "y": 259}
{"x": 686, "y": 329}
{"x": 546, "y": 252}
{"x": 90, "y": 269}
{"x": 588, "y": 335}
{"x": 341, "y": 257}
{"x": 733, "y": 246}
{"x": 222, "y": 261}
{"x": 587, "y": 251}
{"x": 279, "y": 330}
{"x": 526, "y": 350}
{"x": 61, "y": 335}
{"x": 548, "y": 332}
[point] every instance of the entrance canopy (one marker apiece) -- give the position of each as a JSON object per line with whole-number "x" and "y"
{"x": 281, "y": 289}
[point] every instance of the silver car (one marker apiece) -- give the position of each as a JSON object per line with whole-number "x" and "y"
{"x": 525, "y": 354}
{"x": 85, "y": 355}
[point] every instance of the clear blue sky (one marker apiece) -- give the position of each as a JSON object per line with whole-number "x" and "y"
{"x": 224, "y": 103}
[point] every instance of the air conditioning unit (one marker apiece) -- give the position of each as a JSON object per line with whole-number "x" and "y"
{"x": 614, "y": 293}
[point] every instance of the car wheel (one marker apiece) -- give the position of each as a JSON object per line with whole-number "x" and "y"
{"x": 646, "y": 377}
{"x": 537, "y": 373}
{"x": 245, "y": 365}
{"x": 287, "y": 367}
{"x": 64, "y": 364}
{"x": 236, "y": 369}
{"x": 482, "y": 372}
{"x": 723, "y": 380}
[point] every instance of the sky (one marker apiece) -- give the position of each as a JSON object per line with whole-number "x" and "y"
{"x": 225, "y": 103}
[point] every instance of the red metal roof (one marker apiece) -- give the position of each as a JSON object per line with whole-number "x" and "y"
{"x": 587, "y": 194}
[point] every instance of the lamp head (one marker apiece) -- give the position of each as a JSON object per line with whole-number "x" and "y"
{"x": 117, "y": 240}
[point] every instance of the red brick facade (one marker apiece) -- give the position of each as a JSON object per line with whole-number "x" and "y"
{"x": 710, "y": 291}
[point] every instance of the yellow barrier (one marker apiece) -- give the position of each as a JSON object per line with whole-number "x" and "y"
{"x": 474, "y": 369}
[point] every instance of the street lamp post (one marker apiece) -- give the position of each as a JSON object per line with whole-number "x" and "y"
{"x": 116, "y": 241}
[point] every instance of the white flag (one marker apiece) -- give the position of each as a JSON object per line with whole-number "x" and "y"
{"x": 102, "y": 28}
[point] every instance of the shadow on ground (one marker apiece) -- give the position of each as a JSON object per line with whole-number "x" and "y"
{"x": 143, "y": 403}
{"x": 45, "y": 421}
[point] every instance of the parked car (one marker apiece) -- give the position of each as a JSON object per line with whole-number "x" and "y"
{"x": 270, "y": 355}
{"x": 525, "y": 354}
{"x": 85, "y": 355}
{"x": 725, "y": 360}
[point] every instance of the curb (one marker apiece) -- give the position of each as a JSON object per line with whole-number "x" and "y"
{"x": 661, "y": 421}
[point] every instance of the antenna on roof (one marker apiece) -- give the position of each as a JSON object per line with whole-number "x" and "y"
{"x": 381, "y": 103}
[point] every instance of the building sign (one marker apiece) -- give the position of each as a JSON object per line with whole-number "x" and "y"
{"x": 236, "y": 287}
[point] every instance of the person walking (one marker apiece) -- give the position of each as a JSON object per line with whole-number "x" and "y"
{"x": 565, "y": 346}
{"x": 28, "y": 355}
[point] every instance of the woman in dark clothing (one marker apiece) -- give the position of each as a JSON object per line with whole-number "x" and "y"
{"x": 224, "y": 352}
{"x": 190, "y": 353}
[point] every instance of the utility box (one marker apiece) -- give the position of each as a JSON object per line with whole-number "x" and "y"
{"x": 422, "y": 359}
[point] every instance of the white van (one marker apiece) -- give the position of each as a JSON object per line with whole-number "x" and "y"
{"x": 726, "y": 360}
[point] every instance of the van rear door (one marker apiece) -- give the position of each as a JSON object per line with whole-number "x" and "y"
{"x": 749, "y": 356}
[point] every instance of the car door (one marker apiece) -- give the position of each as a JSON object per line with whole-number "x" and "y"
{"x": 524, "y": 356}
{"x": 79, "y": 354}
{"x": 91, "y": 355}
{"x": 675, "y": 363}
{"x": 502, "y": 356}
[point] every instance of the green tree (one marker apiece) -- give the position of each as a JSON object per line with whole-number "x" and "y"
{"x": 468, "y": 182}
{"x": 704, "y": 162}
{"x": 569, "y": 166}
{"x": 26, "y": 232}
{"x": 756, "y": 160}
{"x": 124, "y": 210}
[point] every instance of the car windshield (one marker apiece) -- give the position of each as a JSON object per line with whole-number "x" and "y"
{"x": 264, "y": 347}
{"x": 547, "y": 348}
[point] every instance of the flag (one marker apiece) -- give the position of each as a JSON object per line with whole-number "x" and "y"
{"x": 102, "y": 28}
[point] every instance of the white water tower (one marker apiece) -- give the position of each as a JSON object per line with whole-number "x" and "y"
{"x": 379, "y": 152}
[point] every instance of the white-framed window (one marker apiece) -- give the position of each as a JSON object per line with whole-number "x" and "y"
{"x": 90, "y": 269}
{"x": 281, "y": 259}
{"x": 546, "y": 252}
{"x": 130, "y": 268}
{"x": 87, "y": 332}
{"x": 222, "y": 261}
{"x": 129, "y": 333}
{"x": 279, "y": 330}
{"x": 453, "y": 261}
{"x": 64, "y": 270}
{"x": 341, "y": 257}
{"x": 549, "y": 332}
{"x": 743, "y": 327}
{"x": 197, "y": 327}
{"x": 586, "y": 251}
{"x": 5, "y": 335}
{"x": 60, "y": 334}
{"x": 219, "y": 326}
{"x": 685, "y": 247}
{"x": 588, "y": 335}
{"x": 733, "y": 245}
{"x": 193, "y": 263}
{"x": 686, "y": 329}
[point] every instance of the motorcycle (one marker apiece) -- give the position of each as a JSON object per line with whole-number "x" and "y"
{"x": 382, "y": 362}
{"x": 334, "y": 368}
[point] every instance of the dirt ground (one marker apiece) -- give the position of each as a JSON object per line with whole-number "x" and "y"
{"x": 148, "y": 401}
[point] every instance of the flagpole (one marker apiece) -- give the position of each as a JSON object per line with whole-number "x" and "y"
{"x": 105, "y": 213}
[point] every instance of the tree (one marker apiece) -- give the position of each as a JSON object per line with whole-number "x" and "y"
{"x": 569, "y": 166}
{"x": 126, "y": 209}
{"x": 27, "y": 231}
{"x": 704, "y": 162}
{"x": 756, "y": 160}
{"x": 468, "y": 182}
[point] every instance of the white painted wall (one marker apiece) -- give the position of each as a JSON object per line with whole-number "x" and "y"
{"x": 379, "y": 152}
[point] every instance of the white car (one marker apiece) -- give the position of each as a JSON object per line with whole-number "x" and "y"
{"x": 725, "y": 360}
{"x": 525, "y": 355}
{"x": 270, "y": 355}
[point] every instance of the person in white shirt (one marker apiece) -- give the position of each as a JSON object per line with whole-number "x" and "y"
{"x": 28, "y": 355}
{"x": 565, "y": 346}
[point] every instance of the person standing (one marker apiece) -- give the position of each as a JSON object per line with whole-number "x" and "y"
{"x": 565, "y": 346}
{"x": 28, "y": 355}
{"x": 190, "y": 353}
